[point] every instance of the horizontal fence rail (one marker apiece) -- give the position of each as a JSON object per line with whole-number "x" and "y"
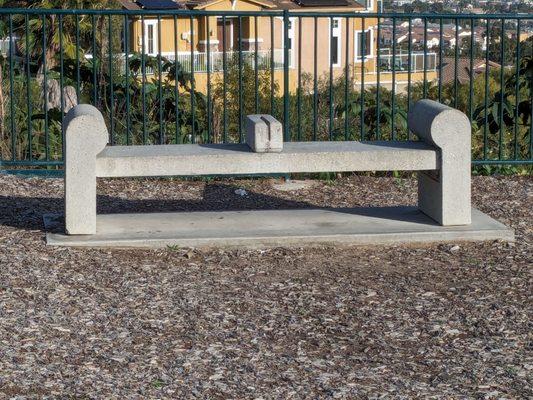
{"x": 182, "y": 76}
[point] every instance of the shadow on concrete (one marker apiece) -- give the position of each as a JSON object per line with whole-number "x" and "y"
{"x": 215, "y": 197}
{"x": 27, "y": 212}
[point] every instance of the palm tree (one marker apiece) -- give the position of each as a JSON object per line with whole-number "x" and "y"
{"x": 46, "y": 29}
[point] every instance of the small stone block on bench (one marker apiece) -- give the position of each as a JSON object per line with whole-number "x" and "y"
{"x": 264, "y": 133}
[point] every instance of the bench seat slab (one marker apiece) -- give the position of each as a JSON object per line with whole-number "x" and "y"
{"x": 230, "y": 159}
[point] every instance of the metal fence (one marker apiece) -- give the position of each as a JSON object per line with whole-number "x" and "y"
{"x": 184, "y": 76}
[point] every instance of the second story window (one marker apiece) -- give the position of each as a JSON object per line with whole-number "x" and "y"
{"x": 151, "y": 37}
{"x": 363, "y": 44}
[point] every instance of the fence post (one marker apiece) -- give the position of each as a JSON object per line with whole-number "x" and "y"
{"x": 286, "y": 74}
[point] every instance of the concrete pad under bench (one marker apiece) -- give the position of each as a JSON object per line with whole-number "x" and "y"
{"x": 267, "y": 228}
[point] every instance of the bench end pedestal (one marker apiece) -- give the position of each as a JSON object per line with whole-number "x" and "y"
{"x": 85, "y": 136}
{"x": 445, "y": 194}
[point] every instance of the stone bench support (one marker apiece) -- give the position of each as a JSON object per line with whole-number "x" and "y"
{"x": 442, "y": 157}
{"x": 85, "y": 135}
{"x": 444, "y": 194}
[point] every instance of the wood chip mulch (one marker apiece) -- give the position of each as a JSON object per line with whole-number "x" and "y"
{"x": 434, "y": 321}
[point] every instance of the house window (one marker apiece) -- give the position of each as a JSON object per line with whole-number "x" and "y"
{"x": 370, "y": 5}
{"x": 335, "y": 42}
{"x": 364, "y": 43}
{"x": 150, "y": 37}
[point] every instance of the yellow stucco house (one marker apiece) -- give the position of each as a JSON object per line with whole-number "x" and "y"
{"x": 339, "y": 41}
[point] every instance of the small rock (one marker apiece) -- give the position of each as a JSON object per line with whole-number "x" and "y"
{"x": 452, "y": 331}
{"x": 455, "y": 248}
{"x": 241, "y": 192}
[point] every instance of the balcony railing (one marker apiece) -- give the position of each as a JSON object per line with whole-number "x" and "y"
{"x": 399, "y": 62}
{"x": 214, "y": 60}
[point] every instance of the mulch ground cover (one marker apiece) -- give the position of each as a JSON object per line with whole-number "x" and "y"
{"x": 422, "y": 321}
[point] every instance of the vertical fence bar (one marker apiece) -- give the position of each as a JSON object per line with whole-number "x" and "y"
{"x": 176, "y": 81}
{"x": 393, "y": 99}
{"x": 363, "y": 56}
{"x": 62, "y": 81}
{"x": 224, "y": 82}
{"x": 409, "y": 65}
{"x": 517, "y": 89}
{"x": 209, "y": 105}
{"x": 45, "y": 92}
{"x": 471, "y": 86}
{"x": 315, "y": 80}
{"x": 531, "y": 118}
{"x": 502, "y": 91}
{"x": 127, "y": 78}
{"x": 78, "y": 77}
{"x": 286, "y": 125}
{"x": 485, "y": 133}
{"x": 378, "y": 91}
{"x": 241, "y": 135}
{"x": 160, "y": 81}
{"x": 299, "y": 94}
{"x": 28, "y": 86}
{"x": 12, "y": 91}
{"x": 272, "y": 61}
{"x": 111, "y": 84}
{"x": 256, "y": 67}
{"x": 193, "y": 105}
{"x": 95, "y": 81}
{"x": 502, "y": 84}
{"x": 456, "y": 65}
{"x": 424, "y": 64}
{"x": 346, "y": 78}
{"x": 330, "y": 92}
{"x": 441, "y": 46}
{"x": 143, "y": 69}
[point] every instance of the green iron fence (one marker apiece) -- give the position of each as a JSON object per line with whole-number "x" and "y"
{"x": 340, "y": 76}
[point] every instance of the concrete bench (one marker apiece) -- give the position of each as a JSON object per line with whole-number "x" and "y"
{"x": 442, "y": 156}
